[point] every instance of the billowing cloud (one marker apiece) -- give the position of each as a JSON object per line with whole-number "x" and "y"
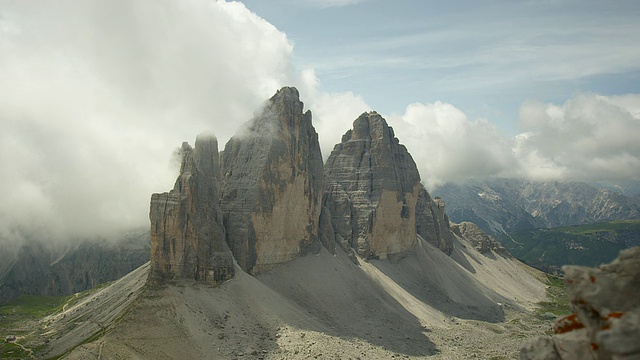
{"x": 447, "y": 146}
{"x": 590, "y": 137}
{"x": 96, "y": 95}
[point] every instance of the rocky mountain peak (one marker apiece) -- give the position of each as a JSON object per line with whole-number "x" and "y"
{"x": 373, "y": 192}
{"x": 272, "y": 184}
{"x": 187, "y": 234}
{"x": 372, "y": 126}
{"x": 262, "y": 201}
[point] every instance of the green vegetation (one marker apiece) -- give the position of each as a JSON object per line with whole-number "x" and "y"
{"x": 34, "y": 306}
{"x": 21, "y": 317}
{"x": 12, "y": 351}
{"x": 587, "y": 245}
{"x": 558, "y": 303}
{"x": 612, "y": 227}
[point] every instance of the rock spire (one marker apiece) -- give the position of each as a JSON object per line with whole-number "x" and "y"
{"x": 187, "y": 234}
{"x": 271, "y": 185}
{"x": 371, "y": 189}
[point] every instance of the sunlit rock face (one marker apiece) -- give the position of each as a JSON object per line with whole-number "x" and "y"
{"x": 271, "y": 185}
{"x": 187, "y": 233}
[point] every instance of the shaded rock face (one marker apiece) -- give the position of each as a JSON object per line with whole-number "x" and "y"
{"x": 372, "y": 190}
{"x": 433, "y": 223}
{"x": 271, "y": 185}
{"x": 480, "y": 240}
{"x": 606, "y": 322}
{"x": 187, "y": 233}
{"x": 41, "y": 269}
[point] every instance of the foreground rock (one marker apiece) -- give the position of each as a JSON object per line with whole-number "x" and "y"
{"x": 271, "y": 185}
{"x": 606, "y": 322}
{"x": 187, "y": 234}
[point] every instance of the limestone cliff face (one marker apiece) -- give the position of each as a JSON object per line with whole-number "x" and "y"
{"x": 371, "y": 190}
{"x": 433, "y": 222}
{"x": 271, "y": 185}
{"x": 187, "y": 234}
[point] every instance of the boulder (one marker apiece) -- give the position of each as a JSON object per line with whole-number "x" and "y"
{"x": 187, "y": 233}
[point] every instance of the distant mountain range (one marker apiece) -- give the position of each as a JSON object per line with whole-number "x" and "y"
{"x": 499, "y": 206}
{"x": 40, "y": 269}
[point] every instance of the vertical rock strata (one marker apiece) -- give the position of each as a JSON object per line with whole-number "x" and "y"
{"x": 373, "y": 192}
{"x": 433, "y": 223}
{"x": 271, "y": 185}
{"x": 262, "y": 201}
{"x": 187, "y": 234}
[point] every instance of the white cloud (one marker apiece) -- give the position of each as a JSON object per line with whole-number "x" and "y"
{"x": 588, "y": 138}
{"x": 446, "y": 145}
{"x": 94, "y": 97}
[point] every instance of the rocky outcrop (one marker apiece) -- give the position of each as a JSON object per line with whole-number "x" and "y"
{"x": 606, "y": 322}
{"x": 187, "y": 233}
{"x": 480, "y": 240}
{"x": 271, "y": 185}
{"x": 373, "y": 192}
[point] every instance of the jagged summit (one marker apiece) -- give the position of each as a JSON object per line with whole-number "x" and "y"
{"x": 255, "y": 212}
{"x": 272, "y": 185}
{"x": 266, "y": 199}
{"x": 372, "y": 189}
{"x": 187, "y": 234}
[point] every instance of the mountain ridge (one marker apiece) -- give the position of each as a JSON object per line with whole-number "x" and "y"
{"x": 502, "y": 205}
{"x": 254, "y": 256}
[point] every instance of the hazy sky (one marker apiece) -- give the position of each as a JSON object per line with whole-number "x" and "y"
{"x": 96, "y": 95}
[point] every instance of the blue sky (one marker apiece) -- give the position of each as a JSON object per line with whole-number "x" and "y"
{"x": 484, "y": 57}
